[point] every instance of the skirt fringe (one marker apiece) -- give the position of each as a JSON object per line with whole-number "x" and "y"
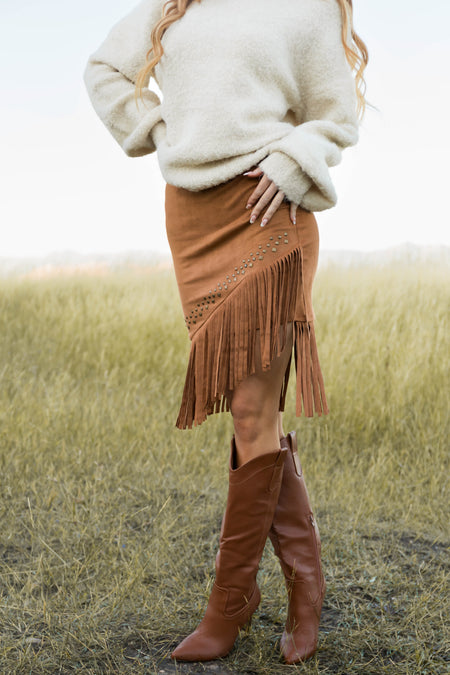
{"x": 223, "y": 349}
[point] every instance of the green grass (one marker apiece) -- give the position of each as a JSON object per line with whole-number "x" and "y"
{"x": 110, "y": 515}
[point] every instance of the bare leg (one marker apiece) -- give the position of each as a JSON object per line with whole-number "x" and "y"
{"x": 281, "y": 433}
{"x": 255, "y": 407}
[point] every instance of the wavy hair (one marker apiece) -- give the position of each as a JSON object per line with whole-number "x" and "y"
{"x": 355, "y": 49}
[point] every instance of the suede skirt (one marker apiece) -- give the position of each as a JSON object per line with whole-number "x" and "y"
{"x": 240, "y": 283}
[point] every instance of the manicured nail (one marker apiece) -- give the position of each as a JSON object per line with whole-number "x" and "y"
{"x": 246, "y": 173}
{"x": 294, "y": 220}
{"x": 252, "y": 219}
{"x": 248, "y": 206}
{"x": 264, "y": 222}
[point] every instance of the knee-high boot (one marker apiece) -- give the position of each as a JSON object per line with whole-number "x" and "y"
{"x": 296, "y": 541}
{"x": 253, "y": 490}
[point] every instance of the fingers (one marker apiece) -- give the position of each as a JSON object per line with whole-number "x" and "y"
{"x": 276, "y": 201}
{"x": 293, "y": 212}
{"x": 264, "y": 184}
{"x": 267, "y": 193}
{"x": 254, "y": 172}
{"x": 265, "y": 199}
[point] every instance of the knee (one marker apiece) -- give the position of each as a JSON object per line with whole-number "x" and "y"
{"x": 251, "y": 418}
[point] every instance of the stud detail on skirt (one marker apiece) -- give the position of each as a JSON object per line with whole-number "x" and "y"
{"x": 269, "y": 247}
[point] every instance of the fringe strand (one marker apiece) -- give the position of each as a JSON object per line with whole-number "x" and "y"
{"x": 223, "y": 349}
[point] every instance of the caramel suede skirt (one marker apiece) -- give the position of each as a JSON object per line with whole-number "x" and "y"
{"x": 240, "y": 283}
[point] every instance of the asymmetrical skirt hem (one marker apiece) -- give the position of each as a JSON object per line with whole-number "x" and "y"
{"x": 222, "y": 351}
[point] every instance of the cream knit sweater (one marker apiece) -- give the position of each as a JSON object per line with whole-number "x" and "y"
{"x": 243, "y": 82}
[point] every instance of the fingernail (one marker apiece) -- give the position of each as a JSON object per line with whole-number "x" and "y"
{"x": 252, "y": 219}
{"x": 264, "y": 221}
{"x": 246, "y": 173}
{"x": 248, "y": 206}
{"x": 294, "y": 221}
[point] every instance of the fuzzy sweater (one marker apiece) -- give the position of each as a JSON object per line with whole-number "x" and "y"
{"x": 244, "y": 83}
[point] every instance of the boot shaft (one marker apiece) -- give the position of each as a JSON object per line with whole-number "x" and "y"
{"x": 294, "y": 533}
{"x": 253, "y": 493}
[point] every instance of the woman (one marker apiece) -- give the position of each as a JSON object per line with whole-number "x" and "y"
{"x": 251, "y": 90}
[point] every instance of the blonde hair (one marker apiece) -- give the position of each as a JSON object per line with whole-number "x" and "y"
{"x": 355, "y": 50}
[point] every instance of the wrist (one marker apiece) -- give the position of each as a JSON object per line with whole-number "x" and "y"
{"x": 287, "y": 175}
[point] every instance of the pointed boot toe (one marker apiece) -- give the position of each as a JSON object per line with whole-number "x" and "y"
{"x": 200, "y": 646}
{"x": 216, "y": 634}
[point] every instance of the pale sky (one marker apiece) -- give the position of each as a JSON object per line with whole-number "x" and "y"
{"x": 67, "y": 185}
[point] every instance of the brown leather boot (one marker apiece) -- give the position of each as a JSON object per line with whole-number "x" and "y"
{"x": 252, "y": 497}
{"x": 296, "y": 541}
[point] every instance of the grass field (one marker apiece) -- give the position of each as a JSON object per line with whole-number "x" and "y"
{"x": 110, "y": 516}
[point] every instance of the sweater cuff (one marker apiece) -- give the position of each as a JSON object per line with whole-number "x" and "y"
{"x": 158, "y": 132}
{"x": 287, "y": 175}
{"x": 140, "y": 141}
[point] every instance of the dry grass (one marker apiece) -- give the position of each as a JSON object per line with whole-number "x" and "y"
{"x": 110, "y": 516}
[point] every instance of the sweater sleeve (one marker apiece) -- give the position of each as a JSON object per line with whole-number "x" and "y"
{"x": 299, "y": 162}
{"x": 110, "y": 76}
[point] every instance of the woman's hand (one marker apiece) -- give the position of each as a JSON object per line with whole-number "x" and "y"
{"x": 266, "y": 192}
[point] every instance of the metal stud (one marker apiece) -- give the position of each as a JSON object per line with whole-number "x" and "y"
{"x": 260, "y": 257}
{"x": 264, "y": 250}
{"x": 270, "y": 238}
{"x": 274, "y": 250}
{"x": 285, "y": 234}
{"x": 286, "y": 241}
{"x": 250, "y": 265}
